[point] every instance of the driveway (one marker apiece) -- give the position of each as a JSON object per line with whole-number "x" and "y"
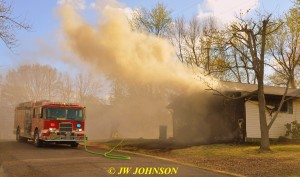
{"x": 26, "y": 160}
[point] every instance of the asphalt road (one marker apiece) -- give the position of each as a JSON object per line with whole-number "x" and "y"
{"x": 26, "y": 160}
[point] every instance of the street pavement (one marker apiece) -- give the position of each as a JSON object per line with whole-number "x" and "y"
{"x": 26, "y": 160}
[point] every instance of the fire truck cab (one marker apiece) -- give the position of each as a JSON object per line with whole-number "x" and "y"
{"x": 46, "y": 121}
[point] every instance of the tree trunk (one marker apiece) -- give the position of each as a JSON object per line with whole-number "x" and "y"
{"x": 292, "y": 81}
{"x": 264, "y": 131}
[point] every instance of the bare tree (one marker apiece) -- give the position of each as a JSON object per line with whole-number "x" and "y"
{"x": 176, "y": 36}
{"x": 285, "y": 49}
{"x": 250, "y": 39}
{"x": 186, "y": 37}
{"x": 215, "y": 59}
{"x": 196, "y": 45}
{"x": 26, "y": 83}
{"x": 86, "y": 86}
{"x": 9, "y": 24}
{"x": 192, "y": 41}
{"x": 236, "y": 67}
{"x": 67, "y": 88}
{"x": 31, "y": 82}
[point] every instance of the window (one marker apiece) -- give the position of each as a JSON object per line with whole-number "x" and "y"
{"x": 290, "y": 107}
{"x": 274, "y": 105}
{"x": 63, "y": 113}
{"x": 35, "y": 113}
{"x": 75, "y": 114}
{"x": 54, "y": 113}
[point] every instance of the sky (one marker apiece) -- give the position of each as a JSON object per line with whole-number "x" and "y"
{"x": 41, "y": 43}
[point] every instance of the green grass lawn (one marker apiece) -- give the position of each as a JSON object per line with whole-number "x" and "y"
{"x": 283, "y": 160}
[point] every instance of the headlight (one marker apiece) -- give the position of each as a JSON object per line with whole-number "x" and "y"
{"x": 79, "y": 130}
{"x": 52, "y": 129}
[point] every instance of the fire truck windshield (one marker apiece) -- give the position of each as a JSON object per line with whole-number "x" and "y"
{"x": 64, "y": 113}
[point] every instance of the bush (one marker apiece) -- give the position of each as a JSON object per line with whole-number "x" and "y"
{"x": 293, "y": 129}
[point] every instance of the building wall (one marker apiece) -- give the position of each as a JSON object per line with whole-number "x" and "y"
{"x": 277, "y": 129}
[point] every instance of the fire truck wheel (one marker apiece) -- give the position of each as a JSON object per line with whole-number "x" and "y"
{"x": 74, "y": 145}
{"x": 37, "y": 141}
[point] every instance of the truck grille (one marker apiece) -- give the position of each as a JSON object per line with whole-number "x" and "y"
{"x": 65, "y": 127}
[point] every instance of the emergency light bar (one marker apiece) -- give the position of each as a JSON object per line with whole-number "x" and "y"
{"x": 64, "y": 104}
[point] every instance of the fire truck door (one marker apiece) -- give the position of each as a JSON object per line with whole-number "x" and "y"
{"x": 36, "y": 121}
{"x": 27, "y": 122}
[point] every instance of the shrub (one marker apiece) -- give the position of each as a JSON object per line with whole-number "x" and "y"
{"x": 293, "y": 129}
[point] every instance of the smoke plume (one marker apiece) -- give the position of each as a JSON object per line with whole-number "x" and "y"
{"x": 134, "y": 58}
{"x": 113, "y": 48}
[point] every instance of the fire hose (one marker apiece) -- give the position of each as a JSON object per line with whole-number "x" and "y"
{"x": 107, "y": 154}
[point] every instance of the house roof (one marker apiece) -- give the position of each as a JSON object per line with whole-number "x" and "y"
{"x": 271, "y": 90}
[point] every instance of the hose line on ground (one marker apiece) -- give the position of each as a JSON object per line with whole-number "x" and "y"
{"x": 109, "y": 153}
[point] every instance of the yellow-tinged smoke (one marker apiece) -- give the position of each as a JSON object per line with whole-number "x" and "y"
{"x": 136, "y": 59}
{"x": 119, "y": 52}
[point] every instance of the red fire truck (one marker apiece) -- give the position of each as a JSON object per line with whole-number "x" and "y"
{"x": 45, "y": 121}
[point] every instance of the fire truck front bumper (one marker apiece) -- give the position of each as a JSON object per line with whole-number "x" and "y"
{"x": 64, "y": 136}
